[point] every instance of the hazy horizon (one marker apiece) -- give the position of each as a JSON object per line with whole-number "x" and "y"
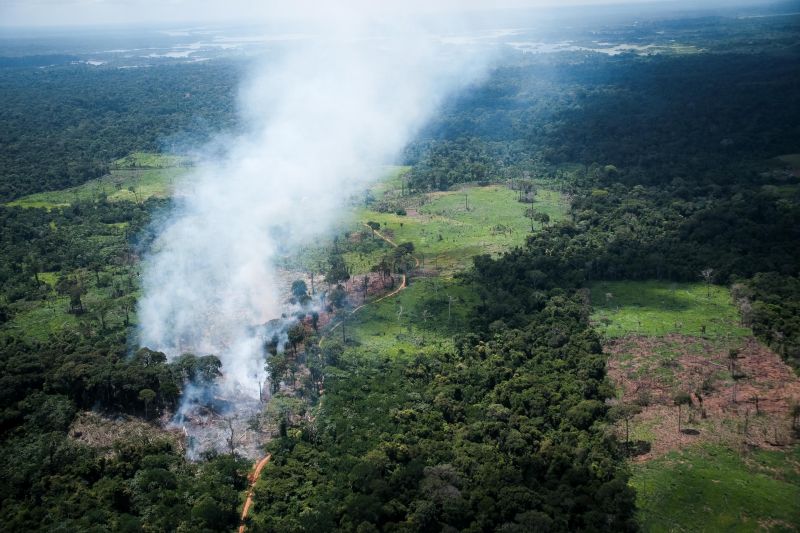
{"x": 65, "y": 14}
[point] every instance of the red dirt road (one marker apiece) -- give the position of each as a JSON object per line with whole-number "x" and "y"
{"x": 253, "y": 478}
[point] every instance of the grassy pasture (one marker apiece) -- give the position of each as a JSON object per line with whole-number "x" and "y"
{"x": 712, "y": 488}
{"x": 153, "y": 179}
{"x": 150, "y": 160}
{"x": 40, "y": 318}
{"x": 454, "y": 226}
{"x": 702, "y": 487}
{"x": 412, "y": 321}
{"x": 657, "y": 308}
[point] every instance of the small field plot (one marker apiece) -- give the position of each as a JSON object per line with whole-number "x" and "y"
{"x": 134, "y": 184}
{"x": 660, "y": 308}
{"x": 392, "y": 184}
{"x": 452, "y": 227}
{"x": 711, "y": 488}
{"x": 151, "y": 160}
{"x": 101, "y": 308}
{"x": 426, "y": 314}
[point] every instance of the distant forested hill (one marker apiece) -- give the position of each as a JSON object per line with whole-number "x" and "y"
{"x": 63, "y": 125}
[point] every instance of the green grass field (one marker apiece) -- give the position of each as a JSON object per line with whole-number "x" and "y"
{"x": 150, "y": 160}
{"x": 153, "y": 179}
{"x": 712, "y": 488}
{"x": 446, "y": 234}
{"x": 41, "y": 318}
{"x": 658, "y": 308}
{"x": 413, "y": 321}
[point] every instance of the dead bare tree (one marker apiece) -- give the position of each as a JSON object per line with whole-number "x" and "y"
{"x": 231, "y": 440}
{"x": 708, "y": 276}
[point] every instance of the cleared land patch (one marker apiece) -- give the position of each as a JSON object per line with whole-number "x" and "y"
{"x": 713, "y": 488}
{"x": 449, "y": 228}
{"x": 425, "y": 315}
{"x": 134, "y": 178}
{"x": 727, "y": 458}
{"x": 741, "y": 403}
{"x": 660, "y": 308}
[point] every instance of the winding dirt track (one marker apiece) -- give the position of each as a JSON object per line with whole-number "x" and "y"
{"x": 403, "y": 285}
{"x": 253, "y": 478}
{"x": 263, "y": 462}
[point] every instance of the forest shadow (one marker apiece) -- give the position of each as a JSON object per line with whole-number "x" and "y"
{"x": 646, "y": 296}
{"x": 638, "y": 447}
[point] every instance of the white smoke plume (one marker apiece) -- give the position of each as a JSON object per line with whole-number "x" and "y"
{"x": 322, "y": 115}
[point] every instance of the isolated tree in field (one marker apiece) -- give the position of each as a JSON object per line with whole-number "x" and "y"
{"x": 374, "y": 226}
{"x": 756, "y": 399}
{"x": 128, "y": 303}
{"x": 384, "y": 268}
{"x": 272, "y": 345}
{"x": 147, "y": 396}
{"x": 101, "y": 309}
{"x": 277, "y": 366}
{"x": 231, "y": 440}
{"x": 132, "y": 189}
{"x": 299, "y": 288}
{"x": 733, "y": 355}
{"x": 527, "y": 191}
{"x": 300, "y": 292}
{"x": 708, "y": 276}
{"x": 208, "y": 368}
{"x": 337, "y": 270}
{"x": 33, "y": 265}
{"x": 406, "y": 247}
{"x": 625, "y": 412}
{"x": 531, "y": 214}
{"x": 297, "y": 334}
{"x": 338, "y": 297}
{"x": 680, "y": 399}
{"x": 544, "y": 218}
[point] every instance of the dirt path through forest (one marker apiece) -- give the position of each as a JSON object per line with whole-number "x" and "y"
{"x": 253, "y": 478}
{"x": 403, "y": 285}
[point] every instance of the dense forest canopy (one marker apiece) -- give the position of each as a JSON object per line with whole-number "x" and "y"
{"x": 65, "y": 125}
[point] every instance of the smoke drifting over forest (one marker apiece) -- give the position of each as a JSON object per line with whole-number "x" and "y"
{"x": 322, "y": 115}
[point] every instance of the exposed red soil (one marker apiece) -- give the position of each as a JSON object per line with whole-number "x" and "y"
{"x": 752, "y": 410}
{"x": 254, "y": 475}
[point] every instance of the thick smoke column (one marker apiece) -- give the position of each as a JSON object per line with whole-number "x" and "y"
{"x": 321, "y": 117}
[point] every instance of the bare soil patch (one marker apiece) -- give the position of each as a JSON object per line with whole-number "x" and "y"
{"x": 741, "y": 402}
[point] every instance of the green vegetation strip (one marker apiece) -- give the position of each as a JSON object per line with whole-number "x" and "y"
{"x": 136, "y": 179}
